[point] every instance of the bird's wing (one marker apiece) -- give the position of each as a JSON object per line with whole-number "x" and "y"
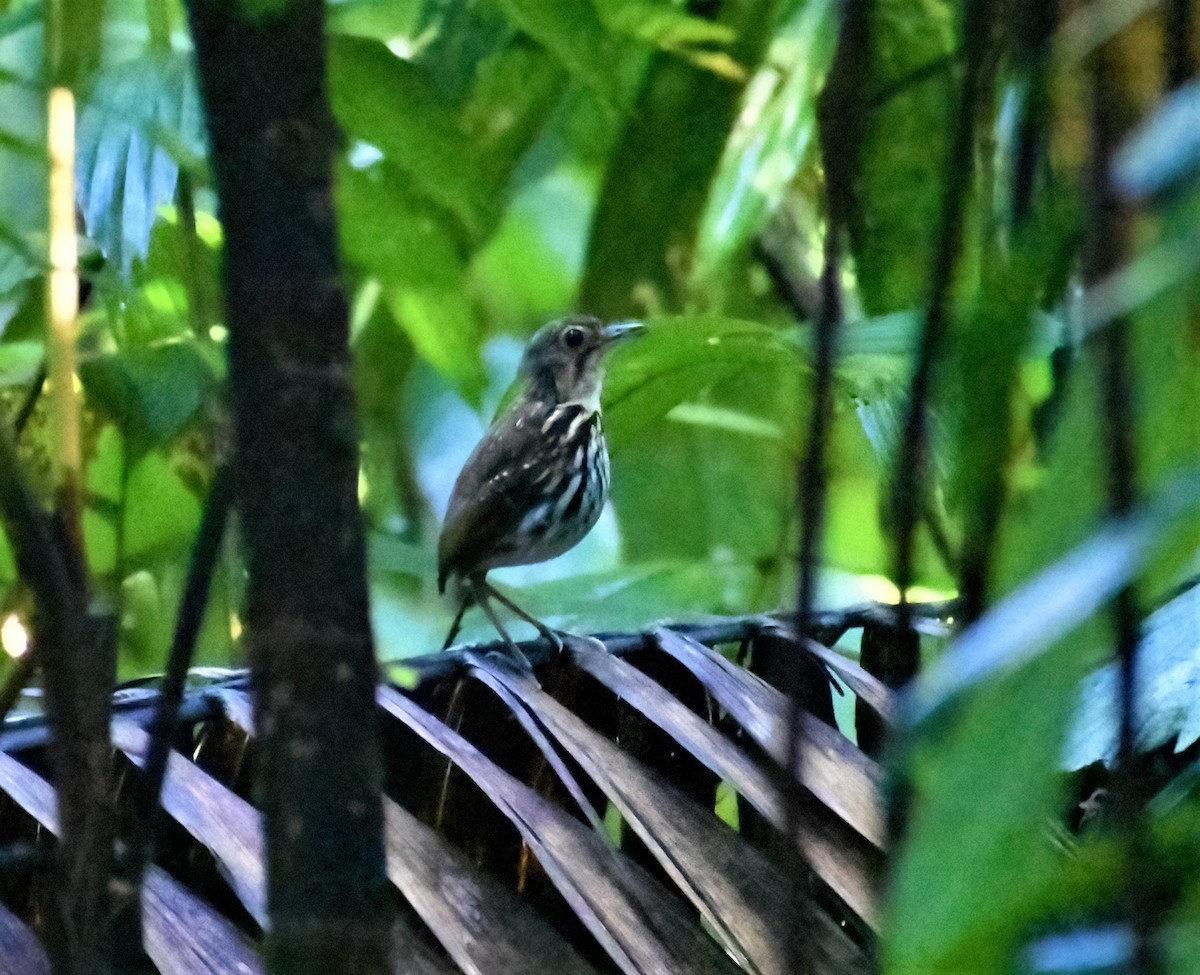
{"x": 495, "y": 490}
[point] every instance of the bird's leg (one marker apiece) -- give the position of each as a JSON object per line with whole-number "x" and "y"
{"x": 542, "y": 628}
{"x": 481, "y": 590}
{"x": 468, "y": 601}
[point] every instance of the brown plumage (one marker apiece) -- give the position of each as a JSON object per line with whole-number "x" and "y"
{"x": 537, "y": 481}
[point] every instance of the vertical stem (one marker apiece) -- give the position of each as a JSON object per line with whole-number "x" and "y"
{"x": 199, "y": 313}
{"x": 1180, "y": 30}
{"x": 840, "y": 113}
{"x": 313, "y": 670}
{"x": 62, "y": 302}
{"x": 1105, "y": 249}
{"x": 911, "y": 455}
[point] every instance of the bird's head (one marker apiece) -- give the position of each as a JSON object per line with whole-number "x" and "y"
{"x": 563, "y": 362}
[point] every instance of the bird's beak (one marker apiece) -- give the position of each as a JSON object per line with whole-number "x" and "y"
{"x": 616, "y": 331}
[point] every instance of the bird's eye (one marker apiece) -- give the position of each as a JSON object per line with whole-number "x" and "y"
{"x": 573, "y": 337}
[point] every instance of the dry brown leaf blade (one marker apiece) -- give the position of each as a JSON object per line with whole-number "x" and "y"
{"x": 20, "y": 950}
{"x": 738, "y": 889}
{"x": 220, "y": 820}
{"x": 838, "y": 859}
{"x": 544, "y": 745}
{"x": 484, "y": 927}
{"x": 869, "y": 689}
{"x": 183, "y": 934}
{"x": 639, "y": 924}
{"x": 831, "y": 768}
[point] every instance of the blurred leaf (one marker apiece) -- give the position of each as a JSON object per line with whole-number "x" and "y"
{"x": 767, "y": 146}
{"x": 639, "y": 593}
{"x": 8, "y": 562}
{"x": 381, "y": 20}
{"x": 386, "y": 553}
{"x": 390, "y": 104}
{"x": 905, "y": 141}
{"x": 22, "y": 176}
{"x": 161, "y": 515}
{"x": 985, "y": 776}
{"x": 142, "y": 120}
{"x": 75, "y": 49}
{"x": 1168, "y": 689}
{"x": 692, "y": 489}
{"x": 1044, "y": 610}
{"x": 514, "y": 95}
{"x": 145, "y": 624}
{"x": 19, "y": 362}
{"x": 700, "y": 491}
{"x": 395, "y": 237}
{"x": 659, "y": 175}
{"x": 655, "y": 23}
{"x": 529, "y": 270}
{"x": 179, "y": 271}
{"x": 150, "y": 392}
{"x": 13, "y": 21}
{"x": 1164, "y": 151}
{"x": 572, "y": 32}
{"x": 724, "y": 418}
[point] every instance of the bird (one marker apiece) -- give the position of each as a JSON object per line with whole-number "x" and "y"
{"x": 537, "y": 481}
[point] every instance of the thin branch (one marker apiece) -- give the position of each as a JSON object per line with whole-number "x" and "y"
{"x": 841, "y": 113}
{"x": 1180, "y": 31}
{"x": 76, "y": 654}
{"x": 30, "y": 401}
{"x": 1108, "y": 241}
{"x": 166, "y": 718}
{"x": 911, "y": 455}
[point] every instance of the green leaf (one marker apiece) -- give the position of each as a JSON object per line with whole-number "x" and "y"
{"x": 1167, "y": 678}
{"x": 393, "y": 236}
{"x": 678, "y": 358}
{"x": 515, "y": 92}
{"x": 633, "y": 595}
{"x": 572, "y": 32}
{"x": 160, "y": 517}
{"x": 728, "y": 493}
{"x": 19, "y": 362}
{"x": 767, "y": 149}
{"x": 145, "y": 624}
{"x": 391, "y": 104}
{"x": 659, "y": 175}
{"x": 727, "y": 419}
{"x": 905, "y": 142}
{"x": 23, "y": 215}
{"x": 697, "y": 493}
{"x": 141, "y": 121}
{"x": 380, "y": 20}
{"x": 529, "y": 270}
{"x": 985, "y": 773}
{"x": 1034, "y": 617}
{"x": 150, "y": 392}
{"x": 12, "y": 21}
{"x": 75, "y": 47}
{"x": 8, "y": 562}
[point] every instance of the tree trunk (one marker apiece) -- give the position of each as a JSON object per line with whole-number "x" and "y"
{"x": 262, "y": 74}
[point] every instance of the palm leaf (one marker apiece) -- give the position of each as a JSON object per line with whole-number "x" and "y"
{"x": 497, "y": 840}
